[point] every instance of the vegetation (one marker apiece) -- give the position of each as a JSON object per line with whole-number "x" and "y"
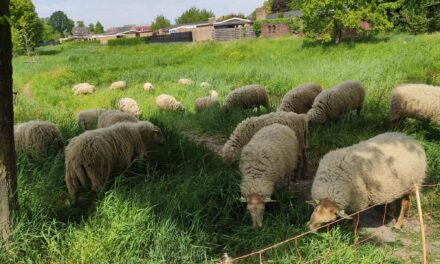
{"x": 61, "y": 23}
{"x": 160, "y": 22}
{"x": 99, "y": 28}
{"x": 418, "y": 16}
{"x": 194, "y": 15}
{"x": 127, "y": 41}
{"x": 80, "y": 23}
{"x": 49, "y": 34}
{"x": 184, "y": 207}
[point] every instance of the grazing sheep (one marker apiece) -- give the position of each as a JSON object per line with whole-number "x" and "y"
{"x": 300, "y": 99}
{"x": 249, "y": 127}
{"x": 205, "y": 85}
{"x": 83, "y": 88}
{"x": 185, "y": 82}
{"x": 207, "y": 102}
{"x": 416, "y": 101}
{"x": 269, "y": 159}
{"x": 330, "y": 104}
{"x": 247, "y": 97}
{"x": 167, "y": 102}
{"x": 129, "y": 106}
{"x": 109, "y": 118}
{"x": 92, "y": 156}
{"x": 377, "y": 171}
{"x": 88, "y": 119}
{"x": 118, "y": 85}
{"x": 148, "y": 87}
{"x": 37, "y": 138}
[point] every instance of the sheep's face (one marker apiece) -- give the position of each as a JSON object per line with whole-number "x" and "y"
{"x": 158, "y": 136}
{"x": 255, "y": 206}
{"x": 325, "y": 211}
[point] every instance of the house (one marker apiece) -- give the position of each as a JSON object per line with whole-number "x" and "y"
{"x": 274, "y": 25}
{"x": 80, "y": 32}
{"x": 127, "y": 31}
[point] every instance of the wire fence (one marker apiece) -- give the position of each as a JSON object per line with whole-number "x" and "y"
{"x": 426, "y": 213}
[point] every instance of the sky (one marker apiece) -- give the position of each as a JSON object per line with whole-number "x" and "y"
{"x": 127, "y": 12}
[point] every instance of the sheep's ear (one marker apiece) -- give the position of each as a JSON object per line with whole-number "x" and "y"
{"x": 313, "y": 203}
{"x": 243, "y": 200}
{"x": 342, "y": 214}
{"x": 268, "y": 200}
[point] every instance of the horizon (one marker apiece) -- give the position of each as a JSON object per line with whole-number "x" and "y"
{"x": 137, "y": 12}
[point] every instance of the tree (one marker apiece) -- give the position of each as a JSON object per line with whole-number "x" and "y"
{"x": 27, "y": 29}
{"x": 160, "y": 22}
{"x": 279, "y": 6}
{"x": 418, "y": 16}
{"x": 8, "y": 170}
{"x": 61, "y": 23}
{"x": 326, "y": 20}
{"x": 194, "y": 15}
{"x": 91, "y": 28}
{"x": 99, "y": 28}
{"x": 48, "y": 33}
{"x": 80, "y": 23}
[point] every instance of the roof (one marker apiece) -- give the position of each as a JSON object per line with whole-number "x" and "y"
{"x": 233, "y": 21}
{"x": 189, "y": 25}
{"x": 142, "y": 28}
{"x": 293, "y": 13}
{"x": 80, "y": 31}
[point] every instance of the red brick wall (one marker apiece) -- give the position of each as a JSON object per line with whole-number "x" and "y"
{"x": 274, "y": 30}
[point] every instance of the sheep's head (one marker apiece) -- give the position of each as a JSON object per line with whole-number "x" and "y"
{"x": 213, "y": 94}
{"x": 151, "y": 133}
{"x": 316, "y": 115}
{"x": 179, "y": 107}
{"x": 158, "y": 136}
{"x": 325, "y": 211}
{"x": 255, "y": 206}
{"x": 227, "y": 154}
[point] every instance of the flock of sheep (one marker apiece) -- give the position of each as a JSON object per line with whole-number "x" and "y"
{"x": 271, "y": 148}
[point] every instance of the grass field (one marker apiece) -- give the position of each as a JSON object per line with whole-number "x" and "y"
{"x": 184, "y": 208}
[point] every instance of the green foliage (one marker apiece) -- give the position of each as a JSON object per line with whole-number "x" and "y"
{"x": 49, "y": 34}
{"x": 27, "y": 29}
{"x": 231, "y": 15}
{"x": 80, "y": 23}
{"x": 295, "y": 23}
{"x": 194, "y": 15}
{"x": 418, "y": 16}
{"x": 127, "y": 41}
{"x": 325, "y": 20}
{"x": 414, "y": 23}
{"x": 99, "y": 28}
{"x": 257, "y": 28}
{"x": 160, "y": 22}
{"x": 91, "y": 27}
{"x": 61, "y": 23}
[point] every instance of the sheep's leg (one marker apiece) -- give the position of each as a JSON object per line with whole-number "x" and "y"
{"x": 359, "y": 111}
{"x": 304, "y": 164}
{"x": 391, "y": 210}
{"x": 403, "y": 210}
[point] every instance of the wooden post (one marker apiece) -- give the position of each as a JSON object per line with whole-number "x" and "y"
{"x": 422, "y": 225}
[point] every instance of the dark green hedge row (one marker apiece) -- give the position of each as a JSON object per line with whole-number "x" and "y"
{"x": 127, "y": 41}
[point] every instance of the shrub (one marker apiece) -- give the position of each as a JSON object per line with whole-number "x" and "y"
{"x": 127, "y": 41}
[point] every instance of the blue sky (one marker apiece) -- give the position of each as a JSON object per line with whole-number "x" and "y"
{"x": 118, "y": 13}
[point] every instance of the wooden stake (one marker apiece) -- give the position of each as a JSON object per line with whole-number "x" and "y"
{"x": 422, "y": 225}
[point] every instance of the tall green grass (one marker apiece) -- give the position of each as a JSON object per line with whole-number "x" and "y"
{"x": 182, "y": 206}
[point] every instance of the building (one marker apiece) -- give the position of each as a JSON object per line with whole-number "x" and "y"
{"x": 128, "y": 31}
{"x": 80, "y": 32}
{"x": 272, "y": 25}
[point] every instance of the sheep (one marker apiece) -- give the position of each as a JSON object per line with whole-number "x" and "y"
{"x": 247, "y": 97}
{"x": 205, "y": 85}
{"x": 269, "y": 159}
{"x": 37, "y": 138}
{"x": 88, "y": 119}
{"x": 300, "y": 99}
{"x": 109, "y": 118}
{"x": 330, "y": 104}
{"x": 416, "y": 101}
{"x": 247, "y": 129}
{"x": 83, "y": 88}
{"x": 377, "y": 171}
{"x": 129, "y": 106}
{"x": 148, "y": 87}
{"x": 206, "y": 102}
{"x": 167, "y": 102}
{"x": 92, "y": 156}
{"x": 185, "y": 82}
{"x": 118, "y": 85}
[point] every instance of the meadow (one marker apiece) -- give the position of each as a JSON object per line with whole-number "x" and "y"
{"x": 183, "y": 207}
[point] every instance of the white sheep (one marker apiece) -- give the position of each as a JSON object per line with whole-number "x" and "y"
{"x": 269, "y": 159}
{"x": 184, "y": 81}
{"x": 247, "y": 97}
{"x": 332, "y": 103}
{"x": 83, "y": 88}
{"x": 148, "y": 87}
{"x": 130, "y": 106}
{"x": 377, "y": 171}
{"x": 167, "y": 102}
{"x": 109, "y": 118}
{"x": 300, "y": 99}
{"x": 207, "y": 102}
{"x": 416, "y": 101}
{"x": 88, "y": 119}
{"x": 244, "y": 132}
{"x": 118, "y": 85}
{"x": 205, "y": 85}
{"x": 92, "y": 156}
{"x": 37, "y": 138}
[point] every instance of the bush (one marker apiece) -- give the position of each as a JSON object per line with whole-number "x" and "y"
{"x": 415, "y": 23}
{"x": 257, "y": 28}
{"x": 127, "y": 41}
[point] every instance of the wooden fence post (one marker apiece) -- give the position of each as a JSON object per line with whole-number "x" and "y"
{"x": 422, "y": 225}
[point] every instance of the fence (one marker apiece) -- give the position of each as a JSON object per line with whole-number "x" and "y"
{"x": 426, "y": 202}
{"x": 225, "y": 34}
{"x": 171, "y": 38}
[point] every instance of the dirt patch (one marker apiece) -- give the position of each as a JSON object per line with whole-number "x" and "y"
{"x": 27, "y": 91}
{"x": 212, "y": 142}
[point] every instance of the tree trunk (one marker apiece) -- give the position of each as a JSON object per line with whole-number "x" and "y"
{"x": 8, "y": 177}
{"x": 338, "y": 33}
